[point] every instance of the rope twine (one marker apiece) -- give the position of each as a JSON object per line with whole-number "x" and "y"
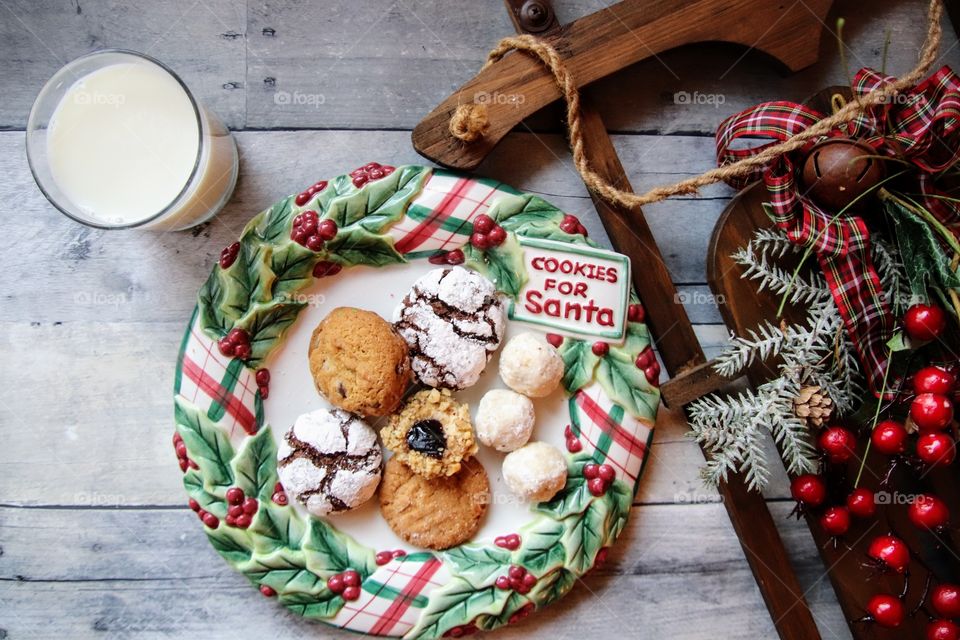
{"x": 470, "y": 122}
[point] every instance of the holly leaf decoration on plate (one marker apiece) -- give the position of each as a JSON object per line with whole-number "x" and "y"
{"x": 542, "y": 548}
{"x": 531, "y": 216}
{"x": 579, "y": 363}
{"x": 627, "y": 386}
{"x": 207, "y": 444}
{"x": 266, "y": 324}
{"x": 379, "y": 203}
{"x": 277, "y": 527}
{"x": 553, "y": 586}
{"x": 231, "y": 543}
{"x": 273, "y": 225}
{"x": 585, "y": 535}
{"x": 456, "y": 603}
{"x": 284, "y": 570}
{"x": 329, "y": 551}
{"x": 312, "y": 607}
{"x": 255, "y": 467}
{"x": 478, "y": 565}
{"x": 502, "y": 265}
{"x": 574, "y": 496}
{"x": 292, "y": 264}
{"x": 356, "y": 245}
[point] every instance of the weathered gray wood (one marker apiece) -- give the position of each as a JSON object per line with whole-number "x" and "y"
{"x": 146, "y": 574}
{"x": 201, "y": 41}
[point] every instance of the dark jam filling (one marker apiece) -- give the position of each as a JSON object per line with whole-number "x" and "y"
{"x": 426, "y": 437}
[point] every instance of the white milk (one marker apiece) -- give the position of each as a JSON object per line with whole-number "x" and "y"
{"x": 122, "y": 145}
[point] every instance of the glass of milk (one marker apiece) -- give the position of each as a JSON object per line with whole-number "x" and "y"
{"x": 115, "y": 140}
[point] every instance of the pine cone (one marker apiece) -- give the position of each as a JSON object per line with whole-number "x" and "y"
{"x": 812, "y": 406}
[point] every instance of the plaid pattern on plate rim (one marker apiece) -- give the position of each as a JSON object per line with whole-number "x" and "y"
{"x": 438, "y": 219}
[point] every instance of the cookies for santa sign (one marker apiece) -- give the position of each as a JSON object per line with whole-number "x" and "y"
{"x": 574, "y": 290}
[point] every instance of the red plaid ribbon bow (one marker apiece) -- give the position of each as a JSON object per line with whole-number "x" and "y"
{"x": 918, "y": 126}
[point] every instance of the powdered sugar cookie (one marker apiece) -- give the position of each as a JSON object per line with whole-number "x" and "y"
{"x": 329, "y": 461}
{"x": 504, "y": 419}
{"x": 453, "y": 320}
{"x": 535, "y": 471}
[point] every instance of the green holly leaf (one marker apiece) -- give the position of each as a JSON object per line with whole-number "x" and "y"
{"x": 512, "y": 603}
{"x": 542, "y": 548}
{"x": 357, "y": 245}
{"x": 579, "y": 363}
{"x": 193, "y": 483}
{"x": 255, "y": 465}
{"x": 277, "y": 527}
{"x": 207, "y": 444}
{"x": 574, "y": 497}
{"x": 274, "y": 224}
{"x": 377, "y": 204}
{"x": 626, "y": 385}
{"x": 293, "y": 265}
{"x": 478, "y": 565}
{"x": 502, "y": 265}
{"x": 266, "y": 324}
{"x": 329, "y": 551}
{"x": 553, "y": 586}
{"x": 620, "y": 498}
{"x": 456, "y": 603}
{"x": 924, "y": 258}
{"x": 285, "y": 571}
{"x": 313, "y": 607}
{"x": 210, "y": 300}
{"x": 637, "y": 339}
{"x": 231, "y": 543}
{"x": 585, "y": 535}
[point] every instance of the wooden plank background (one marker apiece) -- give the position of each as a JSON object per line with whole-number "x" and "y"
{"x": 95, "y": 536}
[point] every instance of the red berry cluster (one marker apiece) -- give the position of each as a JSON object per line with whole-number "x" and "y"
{"x": 486, "y": 233}
{"x": 269, "y": 592}
{"x": 229, "y": 255}
{"x": 370, "y": 171}
{"x": 924, "y": 322}
{"x": 599, "y": 477}
{"x": 451, "y": 258}
{"x": 206, "y": 517}
{"x": 636, "y": 313}
{"x": 262, "y": 376}
{"x": 312, "y": 232}
{"x": 326, "y": 269}
{"x": 571, "y": 224}
{"x": 461, "y": 630}
{"x": 304, "y": 196}
{"x": 647, "y": 360}
{"x": 236, "y": 344}
{"x": 518, "y": 579}
{"x": 279, "y": 495}
{"x": 573, "y": 442}
{"x": 383, "y": 557}
{"x": 510, "y": 542}
{"x": 181, "y": 448}
{"x": 346, "y": 584}
{"x": 241, "y": 508}
{"x": 555, "y": 340}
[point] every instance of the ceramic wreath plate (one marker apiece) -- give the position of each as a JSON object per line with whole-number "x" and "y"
{"x": 388, "y": 229}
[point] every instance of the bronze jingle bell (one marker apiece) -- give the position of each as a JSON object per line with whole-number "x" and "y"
{"x": 837, "y": 171}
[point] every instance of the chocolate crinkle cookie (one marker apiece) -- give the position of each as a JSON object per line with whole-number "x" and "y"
{"x": 329, "y": 461}
{"x": 453, "y": 321}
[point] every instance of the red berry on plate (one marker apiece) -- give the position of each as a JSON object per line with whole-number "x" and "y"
{"x": 645, "y": 358}
{"x": 929, "y": 512}
{"x": 606, "y": 473}
{"x": 574, "y": 445}
{"x": 351, "y": 593}
{"x": 862, "y": 503}
{"x": 600, "y": 348}
{"x": 438, "y": 258}
{"x": 497, "y": 236}
{"x": 314, "y": 243}
{"x": 943, "y": 630}
{"x": 327, "y": 229}
{"x": 383, "y": 557}
{"x": 886, "y": 610}
{"x": 517, "y": 572}
{"x": 226, "y": 347}
{"x": 636, "y": 313}
{"x": 181, "y": 449}
{"x": 529, "y": 580}
{"x": 262, "y": 377}
{"x": 652, "y": 374}
{"x": 280, "y": 498}
{"x": 502, "y": 582}
{"x": 597, "y": 486}
{"x": 568, "y": 227}
{"x": 243, "y": 521}
{"x": 372, "y": 165}
{"x": 250, "y": 506}
{"x": 234, "y": 495}
{"x": 555, "y": 340}
{"x": 211, "y": 520}
{"x": 936, "y": 448}
{"x": 924, "y": 322}
{"x": 890, "y": 551}
{"x": 483, "y": 223}
{"x": 184, "y": 464}
{"x": 375, "y": 174}
{"x": 513, "y": 541}
{"x": 399, "y": 553}
{"x": 264, "y": 392}
{"x": 360, "y": 180}
{"x": 235, "y": 510}
{"x": 229, "y": 255}
{"x": 351, "y": 578}
{"x": 591, "y": 470}
{"x": 238, "y": 336}
{"x": 945, "y": 600}
{"x": 267, "y": 591}
{"x": 838, "y": 443}
{"x": 242, "y": 351}
{"x": 808, "y": 490}
{"x": 934, "y": 380}
{"x": 889, "y": 438}
{"x": 931, "y": 412}
{"x": 835, "y": 521}
{"x": 480, "y": 241}
{"x": 455, "y": 257}
{"x": 335, "y": 583}
{"x": 194, "y": 505}
{"x": 302, "y": 198}
{"x": 325, "y": 269}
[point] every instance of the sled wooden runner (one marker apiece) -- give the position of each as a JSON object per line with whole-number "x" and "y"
{"x": 593, "y": 47}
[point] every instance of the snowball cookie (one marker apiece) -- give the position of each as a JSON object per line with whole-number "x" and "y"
{"x": 453, "y": 321}
{"x": 530, "y": 366}
{"x": 329, "y": 461}
{"x": 504, "y": 419}
{"x": 535, "y": 471}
